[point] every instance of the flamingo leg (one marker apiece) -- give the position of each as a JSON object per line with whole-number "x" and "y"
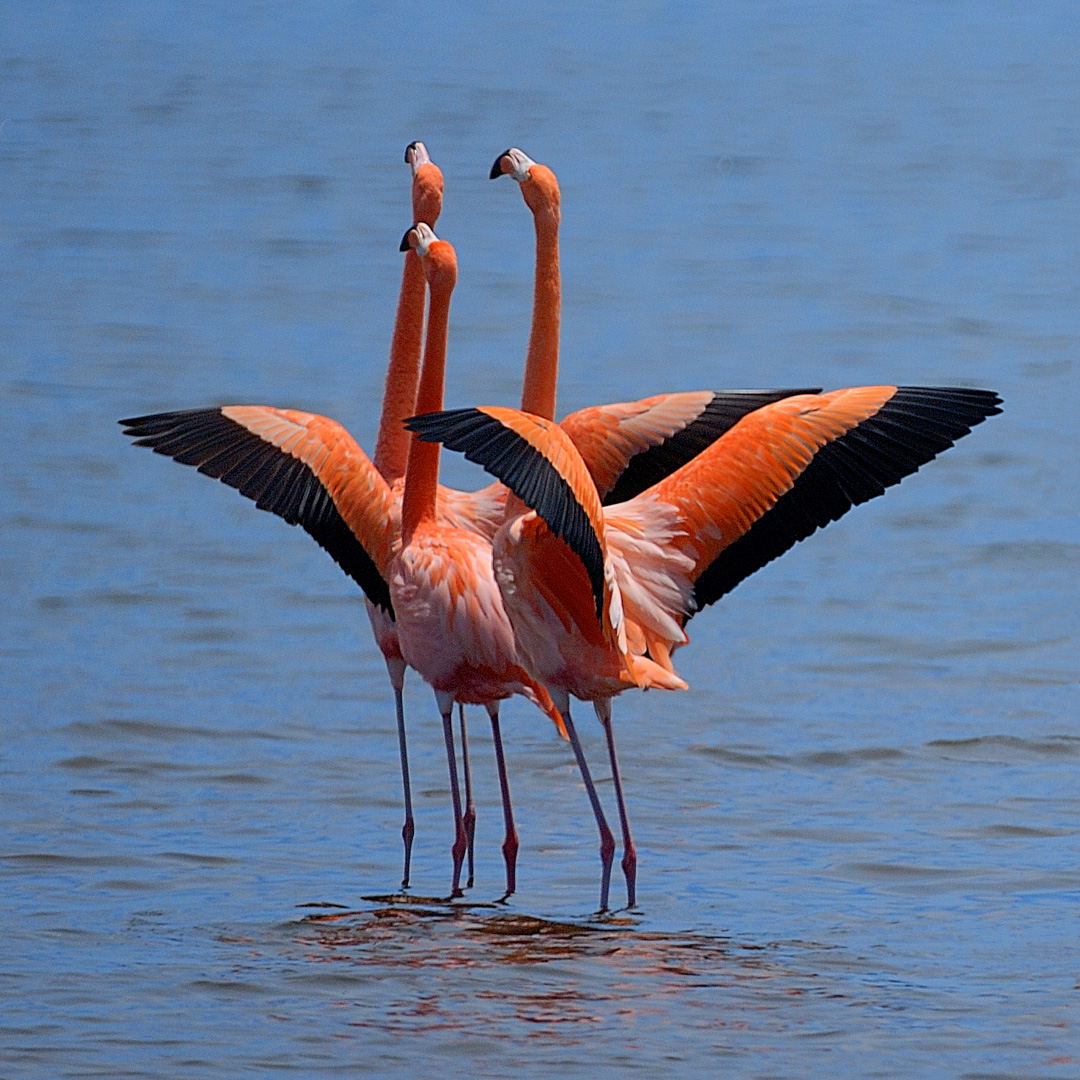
{"x": 457, "y": 852}
{"x": 409, "y": 828}
{"x": 607, "y": 840}
{"x": 629, "y": 859}
{"x": 468, "y": 819}
{"x": 510, "y": 842}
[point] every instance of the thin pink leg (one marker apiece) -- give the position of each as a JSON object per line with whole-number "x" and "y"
{"x": 510, "y": 843}
{"x": 409, "y": 828}
{"x": 629, "y": 859}
{"x": 468, "y": 819}
{"x": 457, "y": 852}
{"x": 607, "y": 841}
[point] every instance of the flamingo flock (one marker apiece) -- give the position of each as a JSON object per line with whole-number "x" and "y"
{"x": 575, "y": 573}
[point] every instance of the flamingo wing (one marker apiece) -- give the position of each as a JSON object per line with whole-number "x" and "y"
{"x": 794, "y": 466}
{"x": 537, "y": 460}
{"x": 305, "y": 468}
{"x": 631, "y": 445}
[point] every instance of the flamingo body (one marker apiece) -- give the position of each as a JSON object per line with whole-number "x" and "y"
{"x": 452, "y": 624}
{"x": 550, "y": 603}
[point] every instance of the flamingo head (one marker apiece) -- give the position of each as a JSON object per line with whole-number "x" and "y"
{"x": 539, "y": 187}
{"x": 427, "y": 187}
{"x": 438, "y": 256}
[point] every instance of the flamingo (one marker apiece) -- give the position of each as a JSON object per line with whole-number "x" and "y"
{"x": 392, "y": 443}
{"x": 599, "y": 597}
{"x": 451, "y": 623}
{"x": 657, "y": 434}
{"x": 480, "y": 510}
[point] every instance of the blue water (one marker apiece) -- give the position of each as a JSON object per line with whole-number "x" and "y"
{"x": 857, "y": 831}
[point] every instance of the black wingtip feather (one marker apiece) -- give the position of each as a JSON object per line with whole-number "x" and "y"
{"x": 915, "y": 425}
{"x": 527, "y": 473}
{"x": 722, "y": 413}
{"x": 275, "y": 481}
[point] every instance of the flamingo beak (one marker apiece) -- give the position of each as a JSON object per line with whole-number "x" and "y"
{"x": 416, "y": 154}
{"x": 497, "y": 169}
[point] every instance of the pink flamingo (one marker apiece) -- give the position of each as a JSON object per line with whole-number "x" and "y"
{"x": 625, "y": 447}
{"x": 482, "y": 510}
{"x": 451, "y": 623}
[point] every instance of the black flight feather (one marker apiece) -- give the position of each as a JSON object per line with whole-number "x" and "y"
{"x": 276, "y": 481}
{"x": 721, "y": 414}
{"x": 910, "y": 429}
{"x": 527, "y": 473}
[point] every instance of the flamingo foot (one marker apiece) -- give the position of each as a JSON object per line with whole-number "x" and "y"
{"x": 468, "y": 821}
{"x": 510, "y": 852}
{"x": 408, "y": 830}
{"x": 629, "y": 868}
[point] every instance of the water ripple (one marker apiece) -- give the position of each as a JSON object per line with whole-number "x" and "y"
{"x": 1007, "y": 748}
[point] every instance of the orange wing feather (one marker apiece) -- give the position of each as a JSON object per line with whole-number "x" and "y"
{"x": 305, "y": 468}
{"x": 608, "y": 436}
{"x": 722, "y": 492}
{"x": 553, "y": 443}
{"x": 360, "y": 494}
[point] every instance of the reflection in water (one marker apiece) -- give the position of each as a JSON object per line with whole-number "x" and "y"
{"x": 598, "y": 972}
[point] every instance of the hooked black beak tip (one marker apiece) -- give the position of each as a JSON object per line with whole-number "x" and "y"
{"x": 496, "y": 169}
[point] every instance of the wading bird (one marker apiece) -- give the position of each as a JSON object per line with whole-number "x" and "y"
{"x": 451, "y": 623}
{"x": 221, "y": 450}
{"x": 626, "y": 448}
{"x": 232, "y": 443}
{"x": 599, "y": 597}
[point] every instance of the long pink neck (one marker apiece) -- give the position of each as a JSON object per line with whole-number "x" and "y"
{"x": 542, "y": 361}
{"x": 399, "y": 395}
{"x": 422, "y": 473}
{"x": 403, "y": 371}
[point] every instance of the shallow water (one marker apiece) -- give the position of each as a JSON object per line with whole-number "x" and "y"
{"x": 857, "y": 831}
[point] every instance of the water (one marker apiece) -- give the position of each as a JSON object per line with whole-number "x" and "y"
{"x": 857, "y": 831}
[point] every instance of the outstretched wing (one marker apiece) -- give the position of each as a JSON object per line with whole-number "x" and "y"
{"x": 538, "y": 462}
{"x": 631, "y": 445}
{"x": 790, "y": 468}
{"x": 305, "y": 468}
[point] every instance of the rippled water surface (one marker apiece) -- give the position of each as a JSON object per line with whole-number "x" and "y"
{"x": 858, "y": 831}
